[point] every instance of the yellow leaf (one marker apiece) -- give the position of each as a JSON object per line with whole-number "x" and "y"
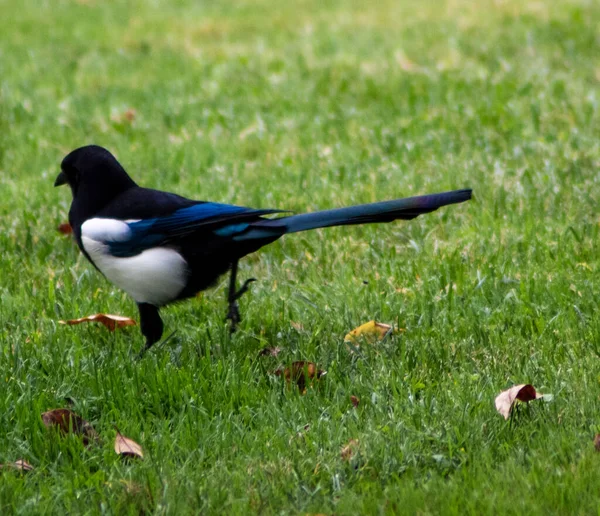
{"x": 372, "y": 332}
{"x": 109, "y": 320}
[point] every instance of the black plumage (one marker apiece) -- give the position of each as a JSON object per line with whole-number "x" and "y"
{"x": 161, "y": 247}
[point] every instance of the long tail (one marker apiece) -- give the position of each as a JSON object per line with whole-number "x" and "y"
{"x": 386, "y": 211}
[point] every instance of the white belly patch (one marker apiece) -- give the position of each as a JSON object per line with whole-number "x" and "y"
{"x": 155, "y": 276}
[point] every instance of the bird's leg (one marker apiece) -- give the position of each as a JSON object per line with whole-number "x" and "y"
{"x": 151, "y": 325}
{"x": 233, "y": 312}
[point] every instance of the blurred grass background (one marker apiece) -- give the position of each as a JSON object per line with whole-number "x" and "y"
{"x": 311, "y": 105}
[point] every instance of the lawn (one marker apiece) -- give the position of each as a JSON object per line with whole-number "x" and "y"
{"x": 311, "y": 105}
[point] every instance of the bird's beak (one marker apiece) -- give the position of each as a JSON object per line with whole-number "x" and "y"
{"x": 61, "y": 179}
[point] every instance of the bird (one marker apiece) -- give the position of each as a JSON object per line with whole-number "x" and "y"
{"x": 160, "y": 247}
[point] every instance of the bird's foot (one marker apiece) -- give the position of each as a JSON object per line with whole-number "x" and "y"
{"x": 243, "y": 289}
{"x": 150, "y": 343}
{"x": 146, "y": 347}
{"x": 233, "y": 313}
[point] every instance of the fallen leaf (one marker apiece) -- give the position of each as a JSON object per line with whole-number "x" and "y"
{"x": 123, "y": 117}
{"x": 65, "y": 228}
{"x": 371, "y": 332}
{"x": 297, "y": 326}
{"x": 506, "y": 399}
{"x": 349, "y": 449}
{"x": 355, "y": 401}
{"x": 298, "y": 372}
{"x": 597, "y": 442}
{"x": 127, "y": 447}
{"x": 69, "y": 422}
{"x": 110, "y": 321}
{"x": 130, "y": 115}
{"x": 19, "y": 465}
{"x": 269, "y": 352}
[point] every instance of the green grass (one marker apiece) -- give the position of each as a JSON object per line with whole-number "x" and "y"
{"x": 310, "y": 105}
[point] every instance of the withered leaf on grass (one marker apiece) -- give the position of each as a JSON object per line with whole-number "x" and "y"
{"x": 65, "y": 228}
{"x": 19, "y": 465}
{"x": 110, "y": 321}
{"x": 349, "y": 449}
{"x": 371, "y": 332}
{"x": 124, "y": 117}
{"x": 597, "y": 442}
{"x": 299, "y": 371}
{"x": 70, "y": 423}
{"x": 507, "y": 399}
{"x": 355, "y": 401}
{"x": 127, "y": 447}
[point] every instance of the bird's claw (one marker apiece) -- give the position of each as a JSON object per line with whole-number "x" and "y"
{"x": 243, "y": 289}
{"x": 146, "y": 347}
{"x": 150, "y": 343}
{"x": 233, "y": 313}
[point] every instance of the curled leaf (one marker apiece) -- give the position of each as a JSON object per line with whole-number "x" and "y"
{"x": 507, "y": 399}
{"x": 19, "y": 465}
{"x": 299, "y": 372}
{"x": 355, "y": 401}
{"x": 65, "y": 228}
{"x": 127, "y": 447}
{"x": 371, "y": 331}
{"x": 110, "y": 321}
{"x": 70, "y": 423}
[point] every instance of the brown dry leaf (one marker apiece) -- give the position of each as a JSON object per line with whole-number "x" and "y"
{"x": 69, "y": 422}
{"x": 130, "y": 115}
{"x": 349, "y": 449}
{"x": 597, "y": 442}
{"x": 65, "y": 228}
{"x": 371, "y": 331}
{"x": 110, "y": 321}
{"x": 19, "y": 465}
{"x": 269, "y": 352}
{"x": 127, "y": 447}
{"x": 355, "y": 401}
{"x": 299, "y": 371}
{"x": 124, "y": 117}
{"x": 506, "y": 399}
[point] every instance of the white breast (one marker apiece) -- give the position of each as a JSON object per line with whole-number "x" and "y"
{"x": 155, "y": 276}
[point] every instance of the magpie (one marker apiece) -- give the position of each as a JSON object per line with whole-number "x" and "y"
{"x": 160, "y": 247}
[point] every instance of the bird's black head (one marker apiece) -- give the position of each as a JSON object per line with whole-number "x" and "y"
{"x": 95, "y": 177}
